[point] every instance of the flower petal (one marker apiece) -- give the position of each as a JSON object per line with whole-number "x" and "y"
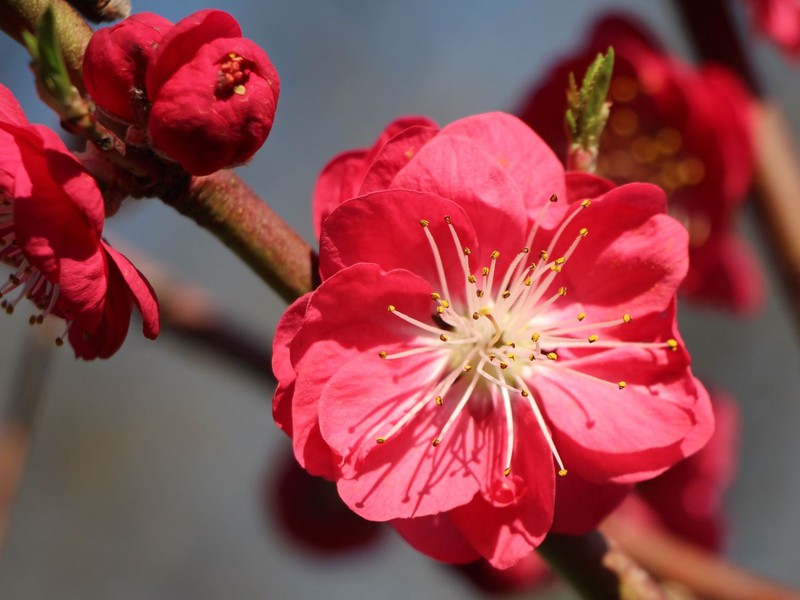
{"x": 139, "y": 288}
{"x": 437, "y": 537}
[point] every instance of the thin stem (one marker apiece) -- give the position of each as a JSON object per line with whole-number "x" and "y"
{"x": 227, "y": 207}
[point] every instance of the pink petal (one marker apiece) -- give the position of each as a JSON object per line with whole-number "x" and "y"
{"x": 460, "y": 170}
{"x": 395, "y": 155}
{"x": 384, "y": 228}
{"x": 581, "y": 505}
{"x": 10, "y": 110}
{"x": 140, "y": 290}
{"x": 182, "y": 42}
{"x": 282, "y": 368}
{"x": 437, "y": 537}
{"x": 528, "y": 160}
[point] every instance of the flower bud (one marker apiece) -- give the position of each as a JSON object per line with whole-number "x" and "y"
{"x": 213, "y": 94}
{"x": 115, "y": 62}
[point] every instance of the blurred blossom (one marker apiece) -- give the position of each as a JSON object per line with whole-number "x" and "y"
{"x": 481, "y": 317}
{"x": 780, "y": 21}
{"x": 687, "y": 130}
{"x": 51, "y": 224}
{"x": 310, "y": 512}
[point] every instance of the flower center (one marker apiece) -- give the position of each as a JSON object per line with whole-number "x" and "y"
{"x": 503, "y": 332}
{"x": 233, "y": 73}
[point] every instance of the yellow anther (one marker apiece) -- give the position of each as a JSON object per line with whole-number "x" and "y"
{"x": 471, "y": 279}
{"x": 556, "y": 268}
{"x": 382, "y": 354}
{"x": 506, "y": 471}
{"x": 467, "y": 368}
{"x": 552, "y": 356}
{"x": 503, "y": 365}
{"x": 440, "y": 309}
{"x": 627, "y": 318}
{"x": 543, "y": 254}
{"x": 562, "y": 291}
{"x": 525, "y": 250}
{"x": 495, "y": 254}
{"x": 583, "y": 232}
{"x": 447, "y": 219}
{"x": 622, "y": 385}
{"x": 424, "y": 222}
{"x": 581, "y": 316}
{"x": 467, "y": 251}
{"x": 435, "y": 296}
{"x": 492, "y": 357}
{"x": 506, "y": 294}
{"x": 524, "y": 394}
{"x": 531, "y": 357}
{"x": 436, "y": 442}
{"x": 443, "y": 337}
{"x": 561, "y": 260}
{"x": 391, "y": 308}
{"x": 535, "y": 337}
{"x": 586, "y": 203}
{"x": 512, "y": 356}
{"x": 513, "y": 345}
{"x": 554, "y": 198}
{"x": 476, "y": 316}
{"x": 592, "y": 339}
{"x": 439, "y": 401}
{"x": 380, "y": 440}
{"x": 445, "y": 303}
{"x": 485, "y": 271}
{"x": 672, "y": 344}
{"x": 479, "y": 293}
{"x": 562, "y": 472}
{"x": 528, "y": 281}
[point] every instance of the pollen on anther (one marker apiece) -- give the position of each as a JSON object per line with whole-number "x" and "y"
{"x": 391, "y": 308}
{"x": 503, "y": 365}
{"x": 562, "y": 472}
{"x": 535, "y": 337}
{"x": 471, "y": 278}
{"x": 382, "y": 354}
{"x": 586, "y": 203}
{"x": 479, "y": 293}
{"x": 561, "y": 260}
{"x": 672, "y": 344}
{"x": 525, "y": 250}
{"x": 435, "y": 296}
{"x": 467, "y": 368}
{"x": 439, "y": 401}
{"x": 627, "y": 318}
{"x": 583, "y": 232}
{"x": 562, "y": 291}
{"x": 552, "y": 356}
{"x": 495, "y": 254}
{"x": 445, "y": 303}
{"x": 476, "y": 316}
{"x": 380, "y": 440}
{"x": 524, "y": 394}
{"x": 506, "y": 471}
{"x": 554, "y": 198}
{"x": 447, "y": 219}
{"x": 436, "y": 442}
{"x": 467, "y": 251}
{"x": 506, "y": 294}
{"x": 485, "y": 271}
{"x": 424, "y": 222}
{"x": 528, "y": 281}
{"x": 440, "y": 309}
{"x": 443, "y": 337}
{"x": 543, "y": 254}
{"x": 592, "y": 339}
{"x": 581, "y": 316}
{"x": 622, "y": 385}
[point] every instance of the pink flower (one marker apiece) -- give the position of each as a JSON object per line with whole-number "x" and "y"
{"x": 685, "y": 130}
{"x": 485, "y": 322}
{"x": 213, "y": 94}
{"x": 780, "y": 21}
{"x": 51, "y": 221}
{"x": 116, "y": 61}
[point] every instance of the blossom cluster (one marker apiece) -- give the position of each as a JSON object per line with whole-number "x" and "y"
{"x": 204, "y": 95}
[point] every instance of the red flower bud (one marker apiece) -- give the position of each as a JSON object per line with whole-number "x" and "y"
{"x": 213, "y": 94}
{"x": 116, "y": 59}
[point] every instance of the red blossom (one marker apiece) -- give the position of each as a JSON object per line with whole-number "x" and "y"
{"x": 780, "y": 21}
{"x": 683, "y": 129}
{"x": 213, "y": 94}
{"x": 116, "y": 61}
{"x": 530, "y": 331}
{"x": 51, "y": 222}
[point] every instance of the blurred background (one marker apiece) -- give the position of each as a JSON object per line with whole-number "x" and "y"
{"x": 154, "y": 474}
